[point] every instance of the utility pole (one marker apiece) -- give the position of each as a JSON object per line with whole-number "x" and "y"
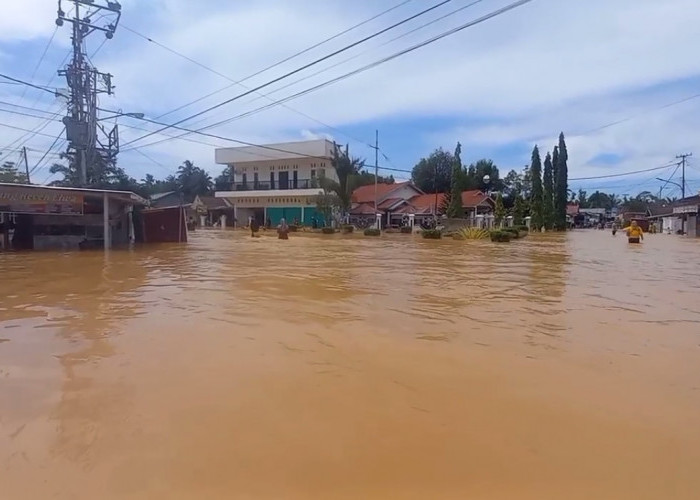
{"x": 376, "y": 167}
{"x": 683, "y": 158}
{"x": 88, "y": 141}
{"x": 26, "y": 163}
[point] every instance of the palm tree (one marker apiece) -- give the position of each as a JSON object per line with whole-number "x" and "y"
{"x": 347, "y": 169}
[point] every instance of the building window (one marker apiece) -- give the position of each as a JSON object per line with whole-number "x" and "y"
{"x": 272, "y": 180}
{"x": 313, "y": 173}
{"x": 322, "y": 172}
{"x": 255, "y": 180}
{"x": 244, "y": 180}
{"x": 295, "y": 179}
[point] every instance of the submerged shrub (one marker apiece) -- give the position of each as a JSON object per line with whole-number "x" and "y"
{"x": 432, "y": 234}
{"x": 501, "y": 236}
{"x": 372, "y": 231}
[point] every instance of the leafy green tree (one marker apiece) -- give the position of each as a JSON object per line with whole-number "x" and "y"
{"x": 193, "y": 181}
{"x": 432, "y": 174}
{"x": 548, "y": 192}
{"x": 101, "y": 173}
{"x": 348, "y": 171}
{"x": 478, "y": 171}
{"x": 518, "y": 210}
{"x": 500, "y": 210}
{"x": 561, "y": 186}
{"x": 10, "y": 174}
{"x": 537, "y": 220}
{"x": 582, "y": 199}
{"x": 223, "y": 181}
{"x": 365, "y": 178}
{"x": 454, "y": 196}
{"x": 327, "y": 202}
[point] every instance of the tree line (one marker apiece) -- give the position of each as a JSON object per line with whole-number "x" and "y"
{"x": 541, "y": 195}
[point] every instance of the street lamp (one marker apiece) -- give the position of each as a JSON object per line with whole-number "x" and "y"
{"x": 668, "y": 181}
{"x": 138, "y": 116}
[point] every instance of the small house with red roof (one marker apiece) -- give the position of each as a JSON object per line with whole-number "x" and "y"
{"x": 397, "y": 201}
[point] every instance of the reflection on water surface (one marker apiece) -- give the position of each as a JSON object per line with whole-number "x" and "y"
{"x": 344, "y": 367}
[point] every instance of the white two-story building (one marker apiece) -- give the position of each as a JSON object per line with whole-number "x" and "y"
{"x": 277, "y": 181}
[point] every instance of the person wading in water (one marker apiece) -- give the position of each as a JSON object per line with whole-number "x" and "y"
{"x": 634, "y": 233}
{"x": 283, "y": 230}
{"x": 254, "y": 227}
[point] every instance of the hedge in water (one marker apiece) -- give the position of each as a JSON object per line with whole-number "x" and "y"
{"x": 432, "y": 234}
{"x": 371, "y": 231}
{"x": 501, "y": 236}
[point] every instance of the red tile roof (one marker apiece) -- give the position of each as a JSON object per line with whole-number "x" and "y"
{"x": 470, "y": 199}
{"x": 427, "y": 200}
{"x": 475, "y": 198}
{"x": 365, "y": 194}
{"x": 363, "y": 209}
{"x": 388, "y": 203}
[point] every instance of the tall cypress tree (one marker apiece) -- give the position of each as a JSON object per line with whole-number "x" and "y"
{"x": 536, "y": 220}
{"x": 454, "y": 207}
{"x": 548, "y": 193}
{"x": 561, "y": 184}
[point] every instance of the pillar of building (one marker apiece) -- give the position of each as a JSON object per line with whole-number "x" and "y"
{"x": 107, "y": 236}
{"x": 235, "y": 216}
{"x": 130, "y": 218}
{"x": 379, "y": 221}
{"x": 302, "y": 215}
{"x": 6, "y": 231}
{"x": 223, "y": 221}
{"x": 411, "y": 220}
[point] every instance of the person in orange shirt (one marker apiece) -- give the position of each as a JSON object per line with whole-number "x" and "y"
{"x": 634, "y": 232}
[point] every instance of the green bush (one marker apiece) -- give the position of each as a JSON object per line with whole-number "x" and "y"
{"x": 523, "y": 228}
{"x": 501, "y": 236}
{"x": 328, "y": 230}
{"x": 372, "y": 231}
{"x": 406, "y": 229}
{"x": 432, "y": 234}
{"x": 348, "y": 228}
{"x": 515, "y": 233}
{"x": 293, "y": 229}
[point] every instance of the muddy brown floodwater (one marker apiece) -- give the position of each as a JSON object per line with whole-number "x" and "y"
{"x": 562, "y": 366}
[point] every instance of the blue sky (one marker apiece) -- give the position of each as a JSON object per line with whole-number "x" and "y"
{"x": 499, "y": 87}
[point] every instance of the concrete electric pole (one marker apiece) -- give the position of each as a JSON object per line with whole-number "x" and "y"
{"x": 683, "y": 158}
{"x": 89, "y": 143}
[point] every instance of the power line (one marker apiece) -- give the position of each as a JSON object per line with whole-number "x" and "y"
{"x": 302, "y": 68}
{"x": 268, "y": 67}
{"x": 58, "y": 137}
{"x": 356, "y": 71}
{"x": 41, "y": 59}
{"x": 267, "y": 96}
{"x": 245, "y": 87}
{"x": 622, "y": 174}
{"x": 403, "y": 35}
{"x": 617, "y": 122}
{"x": 54, "y": 92}
{"x": 25, "y": 130}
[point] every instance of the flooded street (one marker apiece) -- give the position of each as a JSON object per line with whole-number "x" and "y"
{"x": 558, "y": 366}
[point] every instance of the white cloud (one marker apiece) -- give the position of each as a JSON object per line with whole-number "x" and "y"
{"x": 551, "y": 65}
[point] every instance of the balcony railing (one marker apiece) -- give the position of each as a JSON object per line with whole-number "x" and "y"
{"x": 277, "y": 186}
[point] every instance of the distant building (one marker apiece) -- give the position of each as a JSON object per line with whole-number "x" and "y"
{"x": 163, "y": 200}
{"x": 210, "y": 210}
{"x": 397, "y": 201}
{"x": 277, "y": 181}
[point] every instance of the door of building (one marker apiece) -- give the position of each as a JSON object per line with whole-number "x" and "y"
{"x": 284, "y": 180}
